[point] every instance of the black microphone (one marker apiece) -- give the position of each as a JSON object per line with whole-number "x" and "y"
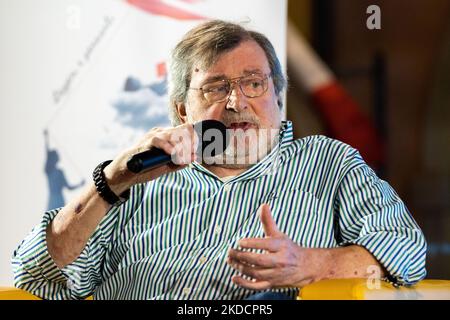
{"x": 216, "y": 132}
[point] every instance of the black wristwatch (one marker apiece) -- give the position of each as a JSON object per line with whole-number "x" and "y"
{"x": 103, "y": 189}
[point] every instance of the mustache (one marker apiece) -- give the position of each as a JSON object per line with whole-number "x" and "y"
{"x": 230, "y": 118}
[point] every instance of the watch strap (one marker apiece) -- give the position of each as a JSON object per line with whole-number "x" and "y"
{"x": 103, "y": 188}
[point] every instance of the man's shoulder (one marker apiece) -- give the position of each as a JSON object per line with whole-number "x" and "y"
{"x": 317, "y": 143}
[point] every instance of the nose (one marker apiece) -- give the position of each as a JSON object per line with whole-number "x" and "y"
{"x": 235, "y": 99}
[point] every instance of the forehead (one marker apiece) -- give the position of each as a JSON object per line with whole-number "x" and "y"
{"x": 247, "y": 57}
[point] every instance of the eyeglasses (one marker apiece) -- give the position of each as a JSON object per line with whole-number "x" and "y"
{"x": 252, "y": 86}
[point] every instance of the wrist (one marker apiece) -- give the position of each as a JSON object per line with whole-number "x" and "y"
{"x": 315, "y": 264}
{"x": 114, "y": 182}
{"x": 328, "y": 265}
{"x": 111, "y": 196}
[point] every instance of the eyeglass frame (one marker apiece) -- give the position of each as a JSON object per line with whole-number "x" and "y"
{"x": 236, "y": 80}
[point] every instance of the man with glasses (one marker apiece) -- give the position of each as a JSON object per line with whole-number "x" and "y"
{"x": 252, "y": 86}
{"x": 297, "y": 212}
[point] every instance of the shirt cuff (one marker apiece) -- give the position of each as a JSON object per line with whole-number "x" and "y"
{"x": 401, "y": 256}
{"x": 32, "y": 259}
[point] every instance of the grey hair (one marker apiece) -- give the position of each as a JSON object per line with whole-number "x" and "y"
{"x": 204, "y": 44}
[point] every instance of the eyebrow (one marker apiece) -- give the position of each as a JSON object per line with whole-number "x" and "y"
{"x": 223, "y": 77}
{"x": 213, "y": 78}
{"x": 252, "y": 71}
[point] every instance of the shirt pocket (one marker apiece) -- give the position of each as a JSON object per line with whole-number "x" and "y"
{"x": 296, "y": 213}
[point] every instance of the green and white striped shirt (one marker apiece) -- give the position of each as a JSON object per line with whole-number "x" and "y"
{"x": 170, "y": 239}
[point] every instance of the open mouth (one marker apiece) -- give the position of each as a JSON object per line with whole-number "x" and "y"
{"x": 241, "y": 125}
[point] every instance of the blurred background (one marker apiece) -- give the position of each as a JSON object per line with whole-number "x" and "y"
{"x": 399, "y": 77}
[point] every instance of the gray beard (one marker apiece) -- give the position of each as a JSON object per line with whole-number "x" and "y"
{"x": 241, "y": 153}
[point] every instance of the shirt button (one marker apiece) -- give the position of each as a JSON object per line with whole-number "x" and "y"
{"x": 227, "y": 187}
{"x": 186, "y": 291}
{"x": 203, "y": 260}
{"x": 217, "y": 230}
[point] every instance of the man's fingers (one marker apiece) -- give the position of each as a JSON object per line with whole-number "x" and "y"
{"x": 268, "y": 244}
{"x": 257, "y": 259}
{"x": 254, "y": 272}
{"x": 251, "y": 284}
{"x": 179, "y": 142}
{"x": 160, "y": 143}
{"x": 269, "y": 226}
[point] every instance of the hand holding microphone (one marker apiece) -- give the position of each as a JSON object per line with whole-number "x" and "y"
{"x": 163, "y": 150}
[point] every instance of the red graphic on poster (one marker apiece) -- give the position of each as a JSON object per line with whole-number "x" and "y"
{"x": 158, "y": 7}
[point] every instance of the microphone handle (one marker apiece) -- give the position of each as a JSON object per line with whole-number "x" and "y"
{"x": 150, "y": 159}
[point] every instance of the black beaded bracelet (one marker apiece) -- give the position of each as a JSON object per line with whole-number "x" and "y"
{"x": 103, "y": 189}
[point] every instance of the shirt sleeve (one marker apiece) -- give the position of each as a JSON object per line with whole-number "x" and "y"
{"x": 372, "y": 215}
{"x": 36, "y": 272}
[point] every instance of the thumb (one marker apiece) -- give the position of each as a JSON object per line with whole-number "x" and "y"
{"x": 269, "y": 226}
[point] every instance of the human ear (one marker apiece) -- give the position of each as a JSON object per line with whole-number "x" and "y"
{"x": 181, "y": 111}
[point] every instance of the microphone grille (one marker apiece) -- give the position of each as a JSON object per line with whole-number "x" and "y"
{"x": 214, "y": 133}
